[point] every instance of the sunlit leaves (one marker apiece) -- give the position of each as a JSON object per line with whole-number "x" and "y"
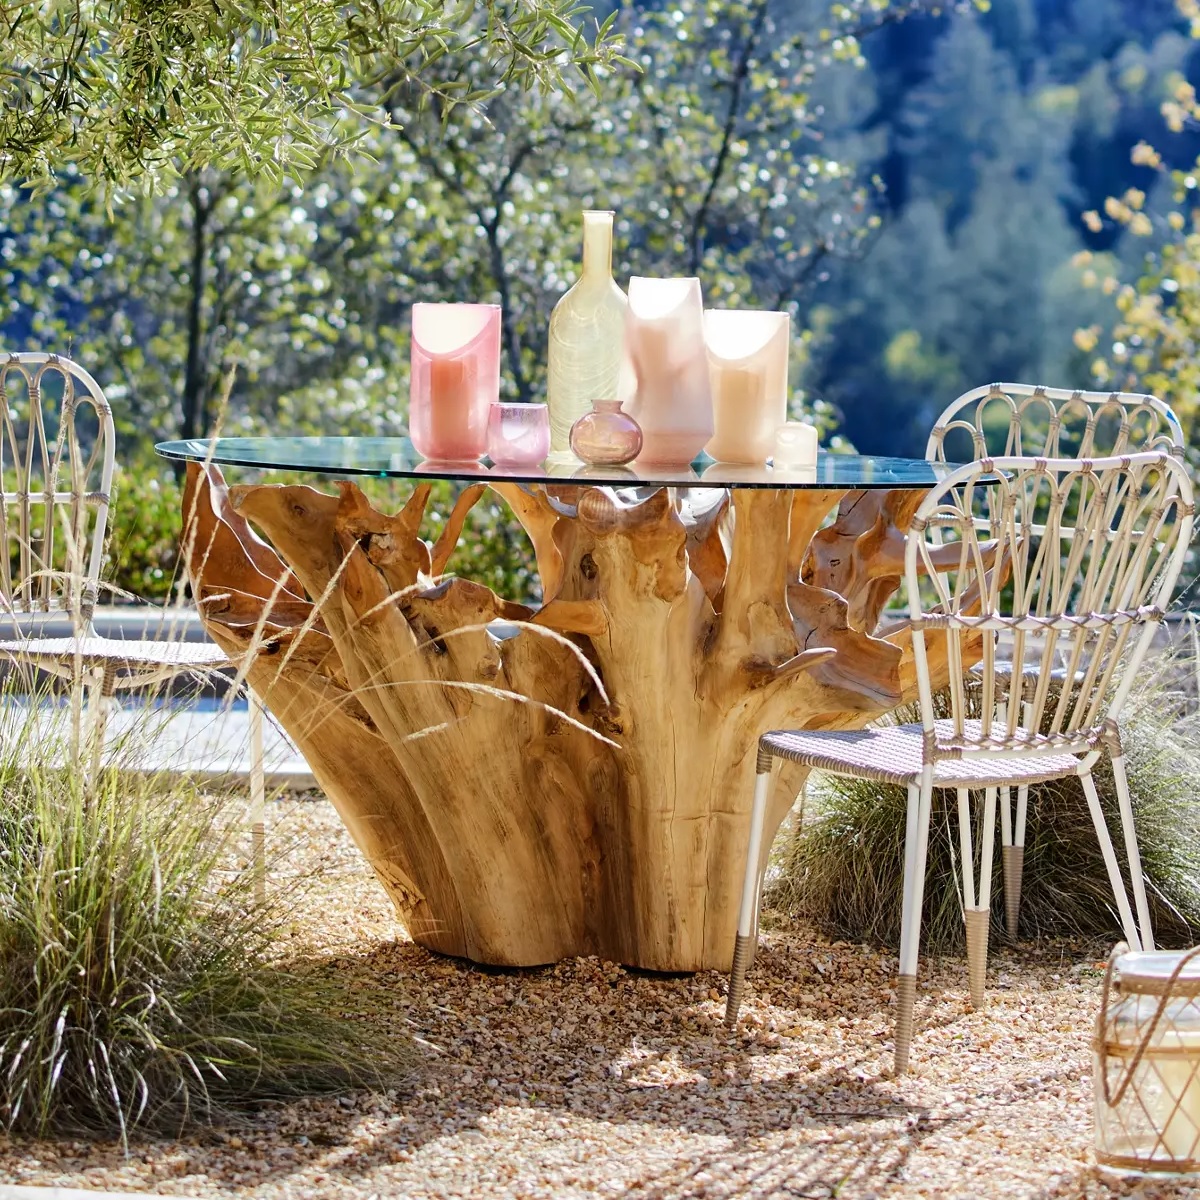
{"x": 142, "y": 89}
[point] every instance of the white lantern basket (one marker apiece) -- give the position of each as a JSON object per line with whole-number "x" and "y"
{"x": 1147, "y": 1063}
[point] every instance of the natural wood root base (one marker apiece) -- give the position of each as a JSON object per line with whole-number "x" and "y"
{"x": 582, "y": 786}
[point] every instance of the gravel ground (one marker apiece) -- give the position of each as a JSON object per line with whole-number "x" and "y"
{"x": 585, "y": 1079}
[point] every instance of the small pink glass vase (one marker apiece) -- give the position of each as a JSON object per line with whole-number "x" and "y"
{"x": 606, "y": 436}
{"x": 455, "y": 379}
{"x": 664, "y": 339}
{"x": 518, "y": 434}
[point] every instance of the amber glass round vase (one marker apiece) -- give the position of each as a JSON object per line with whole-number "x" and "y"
{"x": 606, "y": 436}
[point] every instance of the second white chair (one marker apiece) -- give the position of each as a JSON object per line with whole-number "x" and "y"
{"x": 57, "y": 460}
{"x": 1091, "y": 586}
{"x": 1045, "y": 422}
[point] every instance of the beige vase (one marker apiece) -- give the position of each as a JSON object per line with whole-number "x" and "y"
{"x": 748, "y": 367}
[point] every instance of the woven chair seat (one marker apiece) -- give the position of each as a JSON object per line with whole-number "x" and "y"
{"x": 117, "y": 652}
{"x": 894, "y": 754}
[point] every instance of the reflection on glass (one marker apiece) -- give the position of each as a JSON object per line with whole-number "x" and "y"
{"x": 792, "y": 476}
{"x": 448, "y": 470}
{"x": 606, "y": 472}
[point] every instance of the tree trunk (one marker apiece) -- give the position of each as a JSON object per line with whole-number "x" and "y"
{"x": 580, "y": 781}
{"x": 193, "y": 396}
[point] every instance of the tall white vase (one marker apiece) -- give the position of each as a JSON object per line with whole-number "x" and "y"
{"x": 586, "y": 334}
{"x": 672, "y": 396}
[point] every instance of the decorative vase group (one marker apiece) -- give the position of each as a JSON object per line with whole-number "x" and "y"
{"x": 651, "y": 376}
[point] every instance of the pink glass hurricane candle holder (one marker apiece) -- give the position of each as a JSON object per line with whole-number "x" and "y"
{"x": 518, "y": 434}
{"x": 455, "y": 379}
{"x": 672, "y": 399}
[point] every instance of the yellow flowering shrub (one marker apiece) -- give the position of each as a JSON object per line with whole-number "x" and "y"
{"x": 1155, "y": 343}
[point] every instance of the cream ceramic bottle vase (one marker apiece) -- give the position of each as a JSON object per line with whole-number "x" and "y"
{"x": 587, "y": 330}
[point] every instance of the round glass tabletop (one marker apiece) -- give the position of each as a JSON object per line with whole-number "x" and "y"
{"x": 395, "y": 457}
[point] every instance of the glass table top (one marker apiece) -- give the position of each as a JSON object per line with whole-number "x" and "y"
{"x": 395, "y": 457}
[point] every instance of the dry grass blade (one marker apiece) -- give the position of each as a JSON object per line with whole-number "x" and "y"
{"x": 139, "y": 983}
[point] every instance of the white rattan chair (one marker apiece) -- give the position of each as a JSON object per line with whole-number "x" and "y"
{"x": 1113, "y": 538}
{"x": 57, "y": 451}
{"x": 1027, "y": 419}
{"x": 1015, "y": 419}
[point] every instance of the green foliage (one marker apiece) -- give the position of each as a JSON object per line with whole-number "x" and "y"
{"x": 143, "y": 535}
{"x": 295, "y": 285}
{"x": 714, "y": 152}
{"x": 908, "y": 178}
{"x": 137, "y": 983}
{"x": 138, "y": 90}
{"x": 844, "y": 865}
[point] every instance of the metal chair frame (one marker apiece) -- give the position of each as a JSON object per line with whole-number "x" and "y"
{"x": 1053, "y": 423}
{"x": 56, "y": 480}
{"x": 1097, "y": 571}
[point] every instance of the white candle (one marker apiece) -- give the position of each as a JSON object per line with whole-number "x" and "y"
{"x": 795, "y": 445}
{"x": 1175, "y": 1109}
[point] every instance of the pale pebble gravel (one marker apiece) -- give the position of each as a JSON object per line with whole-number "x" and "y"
{"x": 585, "y": 1079}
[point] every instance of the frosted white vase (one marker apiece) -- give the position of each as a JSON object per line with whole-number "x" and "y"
{"x": 672, "y": 395}
{"x": 587, "y": 329}
{"x": 748, "y": 368}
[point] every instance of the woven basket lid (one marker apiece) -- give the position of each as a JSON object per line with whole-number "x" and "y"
{"x": 1148, "y": 972}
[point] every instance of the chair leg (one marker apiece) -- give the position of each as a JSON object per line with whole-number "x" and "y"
{"x": 916, "y": 843}
{"x": 975, "y": 916}
{"x": 258, "y": 799}
{"x": 979, "y": 918}
{"x": 743, "y": 949}
{"x": 1110, "y": 862}
{"x": 1013, "y": 856}
{"x": 75, "y": 747}
{"x": 803, "y": 799}
{"x": 1121, "y": 779}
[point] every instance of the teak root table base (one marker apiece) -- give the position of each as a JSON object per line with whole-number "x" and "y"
{"x": 583, "y": 786}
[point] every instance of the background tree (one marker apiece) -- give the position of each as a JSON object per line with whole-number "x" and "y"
{"x": 130, "y": 90}
{"x": 998, "y": 132}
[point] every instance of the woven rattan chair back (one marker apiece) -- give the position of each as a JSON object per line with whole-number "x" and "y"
{"x": 1016, "y": 419}
{"x": 56, "y": 470}
{"x": 1074, "y": 609}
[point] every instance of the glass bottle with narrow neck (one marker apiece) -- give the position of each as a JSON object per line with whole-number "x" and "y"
{"x": 587, "y": 331}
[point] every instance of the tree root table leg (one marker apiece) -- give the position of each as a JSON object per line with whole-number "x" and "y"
{"x": 581, "y": 783}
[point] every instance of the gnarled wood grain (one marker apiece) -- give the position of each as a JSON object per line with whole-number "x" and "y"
{"x": 527, "y": 783}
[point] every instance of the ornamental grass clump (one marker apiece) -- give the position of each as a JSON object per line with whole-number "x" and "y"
{"x": 140, "y": 980}
{"x": 843, "y": 866}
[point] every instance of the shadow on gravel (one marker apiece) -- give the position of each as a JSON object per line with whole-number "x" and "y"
{"x": 511, "y": 1060}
